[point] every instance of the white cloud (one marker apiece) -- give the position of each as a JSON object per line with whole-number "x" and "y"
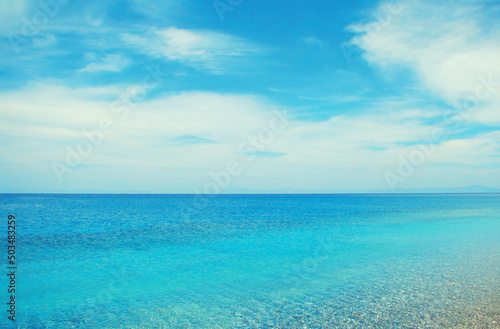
{"x": 362, "y": 141}
{"x": 476, "y": 151}
{"x": 110, "y": 63}
{"x": 451, "y": 46}
{"x": 208, "y": 50}
{"x": 165, "y": 136}
{"x": 58, "y": 115}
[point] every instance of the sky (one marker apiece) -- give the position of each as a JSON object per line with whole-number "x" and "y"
{"x": 239, "y": 96}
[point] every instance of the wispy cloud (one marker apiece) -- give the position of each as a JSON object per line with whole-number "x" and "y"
{"x": 312, "y": 40}
{"x": 450, "y": 46}
{"x": 111, "y": 63}
{"x": 480, "y": 150}
{"x": 333, "y": 99}
{"x": 199, "y": 131}
{"x": 346, "y": 125}
{"x": 44, "y": 40}
{"x": 207, "y": 50}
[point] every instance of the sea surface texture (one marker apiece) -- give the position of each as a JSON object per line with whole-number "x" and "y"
{"x": 255, "y": 261}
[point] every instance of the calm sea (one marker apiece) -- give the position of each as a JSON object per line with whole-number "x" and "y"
{"x": 254, "y": 261}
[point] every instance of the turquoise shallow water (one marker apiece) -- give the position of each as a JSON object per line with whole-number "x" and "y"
{"x": 261, "y": 261}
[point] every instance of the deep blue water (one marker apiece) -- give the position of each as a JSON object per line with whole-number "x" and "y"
{"x": 255, "y": 261}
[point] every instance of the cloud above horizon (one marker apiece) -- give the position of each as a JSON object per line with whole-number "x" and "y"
{"x": 207, "y": 50}
{"x": 424, "y": 67}
{"x": 453, "y": 50}
{"x": 111, "y": 63}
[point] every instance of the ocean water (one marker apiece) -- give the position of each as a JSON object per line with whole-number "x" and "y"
{"x": 255, "y": 261}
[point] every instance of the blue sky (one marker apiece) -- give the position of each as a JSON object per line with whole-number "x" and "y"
{"x": 299, "y": 96}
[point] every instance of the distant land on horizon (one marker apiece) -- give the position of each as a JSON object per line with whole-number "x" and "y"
{"x": 466, "y": 189}
{"x": 440, "y": 190}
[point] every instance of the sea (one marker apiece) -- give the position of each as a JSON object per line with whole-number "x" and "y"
{"x": 253, "y": 261}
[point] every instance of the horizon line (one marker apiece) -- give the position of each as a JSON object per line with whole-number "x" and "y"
{"x": 242, "y": 194}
